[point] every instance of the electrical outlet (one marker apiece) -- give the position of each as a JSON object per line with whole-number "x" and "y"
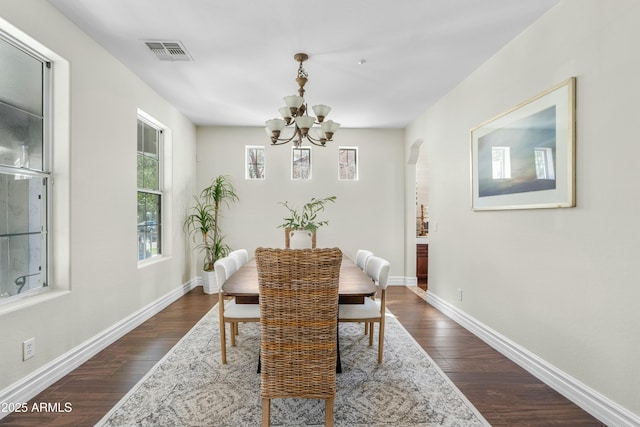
{"x": 459, "y": 294}
{"x": 28, "y": 348}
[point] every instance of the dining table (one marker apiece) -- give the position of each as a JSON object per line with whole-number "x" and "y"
{"x": 353, "y": 287}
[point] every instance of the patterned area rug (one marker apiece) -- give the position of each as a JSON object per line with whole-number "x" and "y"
{"x": 190, "y": 386}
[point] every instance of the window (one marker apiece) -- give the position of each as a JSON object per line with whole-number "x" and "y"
{"x": 254, "y": 166}
{"x": 501, "y": 163}
{"x": 24, "y": 170}
{"x": 348, "y": 163}
{"x": 149, "y": 189}
{"x": 544, "y": 163}
{"x": 300, "y": 163}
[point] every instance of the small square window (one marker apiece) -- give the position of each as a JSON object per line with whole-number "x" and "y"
{"x": 254, "y": 162}
{"x": 348, "y": 163}
{"x": 300, "y": 163}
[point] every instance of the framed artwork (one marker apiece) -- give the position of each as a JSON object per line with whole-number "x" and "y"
{"x": 525, "y": 158}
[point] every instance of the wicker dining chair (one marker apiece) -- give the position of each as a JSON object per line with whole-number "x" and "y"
{"x": 298, "y": 325}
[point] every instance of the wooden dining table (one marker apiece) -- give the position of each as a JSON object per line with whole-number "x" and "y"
{"x": 354, "y": 286}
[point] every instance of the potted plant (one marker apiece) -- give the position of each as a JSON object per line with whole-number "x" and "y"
{"x": 303, "y": 223}
{"x": 203, "y": 224}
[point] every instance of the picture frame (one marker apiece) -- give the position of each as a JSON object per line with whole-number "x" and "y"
{"x": 524, "y": 158}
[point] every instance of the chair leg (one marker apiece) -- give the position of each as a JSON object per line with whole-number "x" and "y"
{"x": 380, "y": 340}
{"x": 371, "y": 334}
{"x": 223, "y": 338}
{"x": 266, "y": 412}
{"x": 366, "y": 328}
{"x": 232, "y": 331}
{"x": 328, "y": 412}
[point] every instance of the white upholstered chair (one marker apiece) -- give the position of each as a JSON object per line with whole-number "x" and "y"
{"x": 241, "y": 256}
{"x": 361, "y": 258}
{"x": 230, "y": 312}
{"x": 361, "y": 261}
{"x": 372, "y": 311}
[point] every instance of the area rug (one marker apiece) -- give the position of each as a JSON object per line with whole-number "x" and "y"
{"x": 191, "y": 387}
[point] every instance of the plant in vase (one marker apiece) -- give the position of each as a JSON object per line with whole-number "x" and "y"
{"x": 203, "y": 224}
{"x": 302, "y": 223}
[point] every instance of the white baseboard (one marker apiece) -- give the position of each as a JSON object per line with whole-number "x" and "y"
{"x": 585, "y": 397}
{"x": 31, "y": 385}
{"x": 400, "y": 281}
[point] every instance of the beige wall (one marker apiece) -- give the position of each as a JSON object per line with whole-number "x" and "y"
{"x": 95, "y": 249}
{"x": 562, "y": 283}
{"x": 368, "y": 213}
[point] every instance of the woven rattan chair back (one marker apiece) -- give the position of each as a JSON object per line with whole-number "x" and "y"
{"x": 298, "y": 325}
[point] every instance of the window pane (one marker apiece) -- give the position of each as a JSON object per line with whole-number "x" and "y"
{"x": 22, "y": 244}
{"x": 255, "y": 163}
{"x": 150, "y": 171}
{"x": 140, "y": 170}
{"x": 347, "y": 164}
{"x": 140, "y": 137}
{"x": 301, "y": 163}
{"x": 21, "y": 84}
{"x": 20, "y": 138}
{"x": 150, "y": 140}
{"x": 149, "y": 225}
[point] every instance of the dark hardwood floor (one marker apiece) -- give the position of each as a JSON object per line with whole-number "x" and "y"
{"x": 505, "y": 394}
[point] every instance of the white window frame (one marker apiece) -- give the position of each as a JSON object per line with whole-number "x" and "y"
{"x": 293, "y": 159}
{"x": 150, "y": 121}
{"x": 247, "y": 174}
{"x": 355, "y": 150}
{"x": 45, "y": 174}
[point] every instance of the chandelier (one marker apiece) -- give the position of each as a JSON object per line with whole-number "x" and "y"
{"x": 296, "y": 114}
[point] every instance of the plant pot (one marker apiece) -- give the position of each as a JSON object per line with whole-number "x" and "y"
{"x": 209, "y": 282}
{"x": 300, "y": 239}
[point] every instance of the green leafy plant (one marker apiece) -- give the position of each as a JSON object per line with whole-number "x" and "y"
{"x": 307, "y": 217}
{"x": 203, "y": 222}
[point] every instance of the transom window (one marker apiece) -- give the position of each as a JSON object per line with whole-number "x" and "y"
{"x": 348, "y": 163}
{"x": 24, "y": 170}
{"x": 150, "y": 138}
{"x": 254, "y": 162}
{"x": 300, "y": 163}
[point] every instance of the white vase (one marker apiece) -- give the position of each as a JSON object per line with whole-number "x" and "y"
{"x": 300, "y": 239}
{"x": 209, "y": 282}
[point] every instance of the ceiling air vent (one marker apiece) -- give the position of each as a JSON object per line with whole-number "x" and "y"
{"x": 168, "y": 51}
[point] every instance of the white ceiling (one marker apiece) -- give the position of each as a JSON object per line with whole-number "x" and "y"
{"x": 242, "y": 50}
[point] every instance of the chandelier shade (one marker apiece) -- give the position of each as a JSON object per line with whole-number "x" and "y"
{"x": 296, "y": 114}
